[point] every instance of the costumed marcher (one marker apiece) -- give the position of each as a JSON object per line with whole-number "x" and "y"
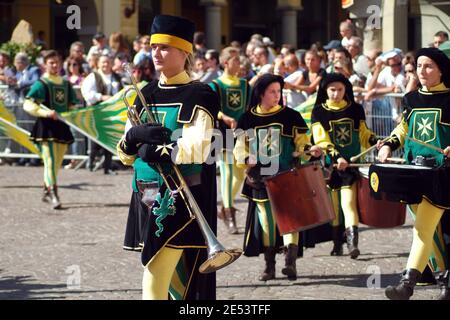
{"x": 339, "y": 128}
{"x": 426, "y": 118}
{"x": 270, "y": 137}
{"x": 172, "y": 243}
{"x": 234, "y": 94}
{"x": 50, "y": 134}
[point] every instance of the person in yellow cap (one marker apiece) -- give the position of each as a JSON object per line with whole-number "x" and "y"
{"x": 159, "y": 225}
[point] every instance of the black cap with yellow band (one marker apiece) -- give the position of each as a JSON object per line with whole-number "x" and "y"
{"x": 173, "y": 31}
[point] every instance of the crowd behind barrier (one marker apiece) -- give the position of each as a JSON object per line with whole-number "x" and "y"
{"x": 382, "y": 115}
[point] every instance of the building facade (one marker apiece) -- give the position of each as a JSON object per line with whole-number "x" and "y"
{"x": 405, "y": 24}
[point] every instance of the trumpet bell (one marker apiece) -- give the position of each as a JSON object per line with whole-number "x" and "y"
{"x": 219, "y": 260}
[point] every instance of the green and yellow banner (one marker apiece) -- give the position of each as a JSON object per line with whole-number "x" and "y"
{"x": 305, "y": 109}
{"x": 105, "y": 122}
{"x": 17, "y": 134}
{"x": 5, "y": 114}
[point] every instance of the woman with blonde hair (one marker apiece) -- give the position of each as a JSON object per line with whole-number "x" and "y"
{"x": 171, "y": 242}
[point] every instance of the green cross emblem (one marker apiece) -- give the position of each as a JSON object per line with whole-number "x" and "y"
{"x": 424, "y": 125}
{"x": 342, "y": 133}
{"x": 234, "y": 98}
{"x": 59, "y": 95}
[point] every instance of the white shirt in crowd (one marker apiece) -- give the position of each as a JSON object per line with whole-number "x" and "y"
{"x": 106, "y": 51}
{"x": 293, "y": 98}
{"x": 89, "y": 88}
{"x": 388, "y": 80}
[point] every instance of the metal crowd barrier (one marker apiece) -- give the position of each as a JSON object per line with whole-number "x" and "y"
{"x": 382, "y": 116}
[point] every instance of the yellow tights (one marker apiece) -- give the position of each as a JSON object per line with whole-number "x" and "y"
{"x": 158, "y": 274}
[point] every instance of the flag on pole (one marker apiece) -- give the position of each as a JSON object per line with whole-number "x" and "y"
{"x": 105, "y": 122}
{"x": 305, "y": 109}
{"x": 17, "y": 134}
{"x": 6, "y": 114}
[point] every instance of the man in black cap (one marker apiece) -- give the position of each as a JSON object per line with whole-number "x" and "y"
{"x": 172, "y": 243}
{"x": 330, "y": 48}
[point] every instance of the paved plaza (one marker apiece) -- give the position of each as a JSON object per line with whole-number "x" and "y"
{"x": 76, "y": 253}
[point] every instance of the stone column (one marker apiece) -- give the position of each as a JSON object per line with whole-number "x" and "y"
{"x": 213, "y": 25}
{"x": 289, "y": 28}
{"x": 395, "y": 25}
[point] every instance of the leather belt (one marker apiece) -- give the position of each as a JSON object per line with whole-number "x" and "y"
{"x": 192, "y": 180}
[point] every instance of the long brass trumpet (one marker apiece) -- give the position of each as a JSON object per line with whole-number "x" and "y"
{"x": 218, "y": 256}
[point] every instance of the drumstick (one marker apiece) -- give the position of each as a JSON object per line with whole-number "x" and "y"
{"x": 355, "y": 165}
{"x": 354, "y": 158}
{"x": 400, "y": 160}
{"x": 425, "y": 144}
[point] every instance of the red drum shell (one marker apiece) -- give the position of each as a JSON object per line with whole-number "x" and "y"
{"x": 378, "y": 213}
{"x": 299, "y": 198}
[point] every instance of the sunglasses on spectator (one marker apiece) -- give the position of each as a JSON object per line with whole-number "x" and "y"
{"x": 73, "y": 64}
{"x": 396, "y": 65}
{"x": 409, "y": 71}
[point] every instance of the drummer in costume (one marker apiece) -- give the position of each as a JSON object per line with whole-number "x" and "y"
{"x": 339, "y": 128}
{"x": 50, "y": 134}
{"x": 173, "y": 245}
{"x": 234, "y": 94}
{"x": 269, "y": 133}
{"x": 426, "y": 118}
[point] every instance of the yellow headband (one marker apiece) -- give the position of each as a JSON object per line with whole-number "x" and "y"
{"x": 173, "y": 41}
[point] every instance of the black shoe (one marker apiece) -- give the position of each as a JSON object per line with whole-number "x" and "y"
{"x": 34, "y": 163}
{"x": 111, "y": 173}
{"x": 444, "y": 284}
{"x": 405, "y": 289}
{"x": 22, "y": 162}
{"x": 56, "y": 204}
{"x": 46, "y": 195}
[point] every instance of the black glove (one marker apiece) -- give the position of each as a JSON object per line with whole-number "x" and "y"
{"x": 156, "y": 153}
{"x": 254, "y": 178}
{"x": 151, "y": 133}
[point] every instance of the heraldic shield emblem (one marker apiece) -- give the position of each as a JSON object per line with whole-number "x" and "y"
{"x": 342, "y": 133}
{"x": 425, "y": 125}
{"x": 234, "y": 98}
{"x": 60, "y": 95}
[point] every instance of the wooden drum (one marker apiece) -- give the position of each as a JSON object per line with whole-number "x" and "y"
{"x": 377, "y": 213}
{"x": 299, "y": 198}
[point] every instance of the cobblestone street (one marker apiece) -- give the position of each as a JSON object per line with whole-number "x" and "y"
{"x": 42, "y": 251}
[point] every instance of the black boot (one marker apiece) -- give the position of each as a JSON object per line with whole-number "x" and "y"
{"x": 338, "y": 249}
{"x": 443, "y": 281}
{"x": 269, "y": 271}
{"x": 46, "y": 195}
{"x": 221, "y": 213}
{"x": 405, "y": 289}
{"x": 427, "y": 278}
{"x": 290, "y": 270}
{"x": 230, "y": 220}
{"x": 352, "y": 241}
{"x": 56, "y": 204}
